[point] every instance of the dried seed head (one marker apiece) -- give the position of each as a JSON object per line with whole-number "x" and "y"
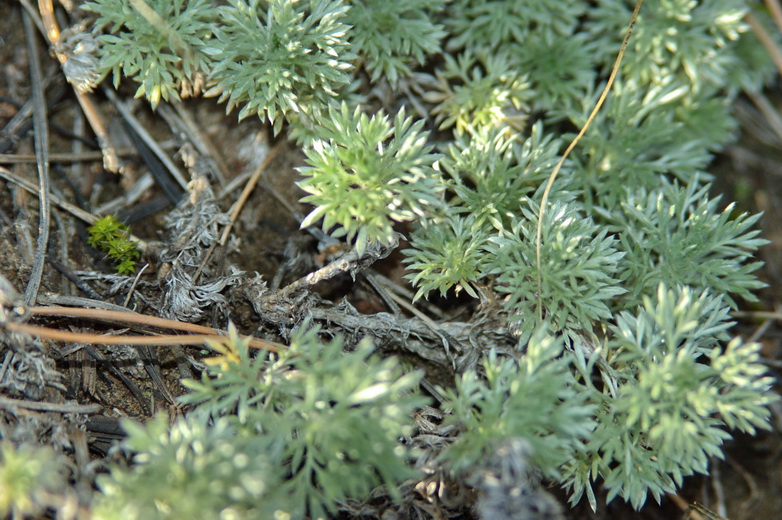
{"x": 76, "y": 50}
{"x": 12, "y": 307}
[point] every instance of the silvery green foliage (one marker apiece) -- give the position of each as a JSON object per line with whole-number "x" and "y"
{"x": 191, "y": 469}
{"x": 697, "y": 42}
{"x": 32, "y": 479}
{"x": 281, "y": 58}
{"x": 515, "y": 399}
{"x": 492, "y": 173}
{"x": 447, "y": 254}
{"x": 494, "y": 24}
{"x": 366, "y": 174}
{"x": 580, "y": 270}
{"x": 645, "y": 135}
{"x": 677, "y": 235}
{"x": 479, "y": 89}
{"x": 330, "y": 421}
{"x": 391, "y": 36}
{"x": 540, "y": 43}
{"x": 673, "y": 389}
{"x": 559, "y": 70}
{"x": 162, "y": 47}
{"x": 638, "y": 381}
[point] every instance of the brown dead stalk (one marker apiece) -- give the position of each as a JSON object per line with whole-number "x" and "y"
{"x": 201, "y": 333}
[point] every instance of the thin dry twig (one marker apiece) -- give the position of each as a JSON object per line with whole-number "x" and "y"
{"x": 47, "y": 24}
{"x": 693, "y": 511}
{"x": 153, "y": 145}
{"x": 101, "y": 339}
{"x": 238, "y": 206}
{"x": 14, "y": 127}
{"x": 128, "y": 197}
{"x": 715, "y": 478}
{"x": 41, "y": 127}
{"x": 199, "y": 138}
{"x": 13, "y": 158}
{"x": 134, "y": 284}
{"x": 760, "y": 331}
{"x": 770, "y": 113}
{"x": 143, "y": 319}
{"x": 7, "y": 402}
{"x": 111, "y": 160}
{"x": 757, "y": 315}
{"x": 754, "y": 490}
{"x": 572, "y": 145}
{"x": 698, "y": 511}
{"x": 765, "y": 39}
{"x": 403, "y": 292}
{"x": 350, "y": 262}
{"x": 776, "y": 12}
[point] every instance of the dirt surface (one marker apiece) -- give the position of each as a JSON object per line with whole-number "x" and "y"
{"x": 129, "y": 382}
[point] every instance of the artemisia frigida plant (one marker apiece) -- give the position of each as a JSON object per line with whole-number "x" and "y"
{"x": 621, "y": 373}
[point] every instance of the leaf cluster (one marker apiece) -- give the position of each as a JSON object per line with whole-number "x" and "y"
{"x": 632, "y": 387}
{"x": 490, "y": 175}
{"x": 515, "y": 399}
{"x": 672, "y": 390}
{"x": 111, "y": 236}
{"x": 366, "y": 174}
{"x": 689, "y": 40}
{"x": 32, "y": 479}
{"x": 160, "y": 44}
{"x": 194, "y": 468}
{"x": 497, "y": 24}
{"x": 389, "y": 36}
{"x": 280, "y": 58}
{"x": 445, "y": 255}
{"x": 645, "y": 135}
{"x": 677, "y": 235}
{"x": 329, "y": 421}
{"x": 479, "y": 89}
{"x": 537, "y": 43}
{"x": 577, "y": 274}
